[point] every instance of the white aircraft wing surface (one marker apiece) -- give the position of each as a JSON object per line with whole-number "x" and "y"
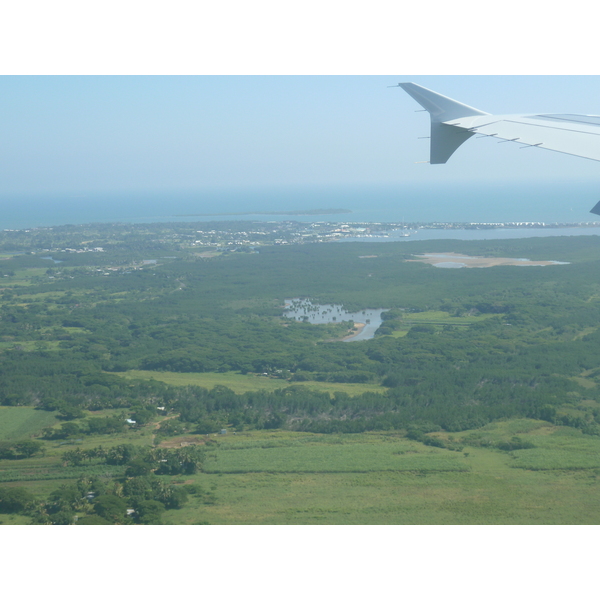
{"x": 571, "y": 134}
{"x": 452, "y": 123}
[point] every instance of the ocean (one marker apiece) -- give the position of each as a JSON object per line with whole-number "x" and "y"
{"x": 473, "y": 202}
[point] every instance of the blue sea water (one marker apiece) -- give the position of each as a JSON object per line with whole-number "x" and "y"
{"x": 459, "y": 202}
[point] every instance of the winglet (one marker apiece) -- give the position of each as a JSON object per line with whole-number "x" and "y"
{"x": 441, "y": 108}
{"x": 445, "y": 139}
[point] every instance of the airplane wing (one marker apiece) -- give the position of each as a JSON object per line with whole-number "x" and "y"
{"x": 452, "y": 123}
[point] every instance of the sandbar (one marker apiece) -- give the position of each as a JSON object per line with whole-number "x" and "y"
{"x": 358, "y": 327}
{"x": 451, "y": 259}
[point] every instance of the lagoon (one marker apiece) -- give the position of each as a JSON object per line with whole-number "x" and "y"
{"x": 302, "y": 309}
{"x": 502, "y": 233}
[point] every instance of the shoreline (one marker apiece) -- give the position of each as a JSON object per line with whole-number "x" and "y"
{"x": 359, "y": 327}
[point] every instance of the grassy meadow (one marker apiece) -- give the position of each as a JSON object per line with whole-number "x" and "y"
{"x": 247, "y": 383}
{"x": 440, "y": 317}
{"x": 284, "y": 477}
{"x": 379, "y": 478}
{"x": 20, "y": 422}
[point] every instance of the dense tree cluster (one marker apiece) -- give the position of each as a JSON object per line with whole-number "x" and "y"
{"x": 21, "y": 449}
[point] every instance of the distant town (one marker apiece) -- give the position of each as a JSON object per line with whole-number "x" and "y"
{"x": 293, "y": 232}
{"x": 231, "y": 236}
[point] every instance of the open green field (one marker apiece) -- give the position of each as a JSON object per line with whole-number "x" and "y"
{"x": 399, "y": 333}
{"x": 23, "y": 277}
{"x": 437, "y": 318}
{"x": 287, "y": 478}
{"x": 247, "y": 383}
{"x": 396, "y": 498}
{"x": 332, "y": 454}
{"x": 440, "y": 317}
{"x": 20, "y": 422}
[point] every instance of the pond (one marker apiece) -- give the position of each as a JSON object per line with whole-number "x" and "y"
{"x": 302, "y": 309}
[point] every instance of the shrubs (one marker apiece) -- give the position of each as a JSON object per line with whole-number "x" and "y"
{"x": 15, "y": 499}
{"x": 515, "y": 443}
{"x": 20, "y": 450}
{"x": 142, "y": 461}
{"x": 110, "y": 507}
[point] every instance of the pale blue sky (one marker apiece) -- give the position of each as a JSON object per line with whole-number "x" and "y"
{"x": 89, "y": 134}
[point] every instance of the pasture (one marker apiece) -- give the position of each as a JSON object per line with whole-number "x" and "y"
{"x": 247, "y": 383}
{"x": 20, "y": 422}
{"x": 440, "y": 317}
{"x": 337, "y": 454}
{"x": 382, "y": 478}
